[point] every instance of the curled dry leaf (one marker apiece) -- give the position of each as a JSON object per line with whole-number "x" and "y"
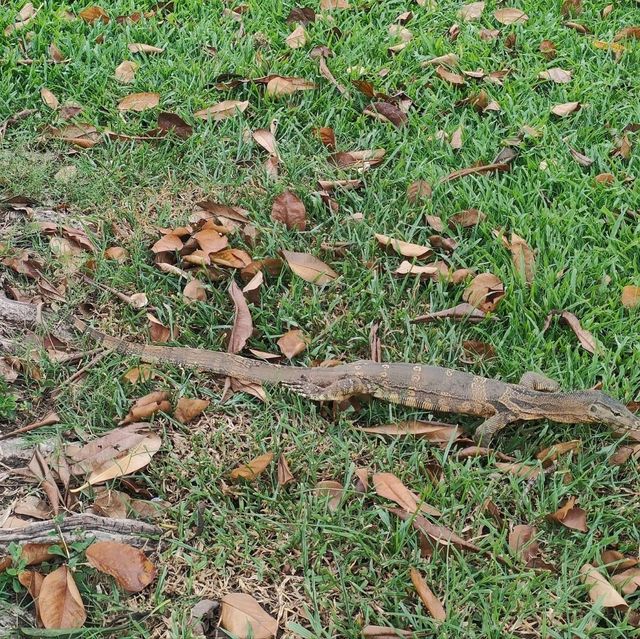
{"x": 126, "y": 71}
{"x": 242, "y": 323}
{"x": 548, "y": 455}
{"x": 387, "y": 485}
{"x": 524, "y": 259}
{"x": 510, "y": 15}
{"x": 289, "y": 209}
{"x": 450, "y": 77}
{"x": 211, "y": 240}
{"x": 222, "y": 110}
{"x": 297, "y": 38}
{"x": 302, "y": 15}
{"x": 437, "y": 432}
{"x": 285, "y": 476}
{"x": 604, "y": 178}
{"x": 244, "y": 617}
{"x": 172, "y": 123}
{"x": 630, "y": 297}
{"x": 361, "y": 160}
{"x": 267, "y": 140}
{"x": 384, "y": 632}
{"x": 157, "y": 330}
{"x": 580, "y": 158}
{"x": 430, "y": 601}
{"x": 93, "y": 14}
{"x": 586, "y": 339}
{"x": 405, "y": 249}
{"x": 188, "y": 408}
{"x": 327, "y": 136}
{"x": 419, "y": 190}
{"x": 427, "y": 272}
{"x": 601, "y": 592}
{"x": 59, "y": 603}
{"x": 565, "y": 109}
{"x": 522, "y": 543}
{"x": 448, "y": 60}
{"x": 309, "y": 268}
{"x": 129, "y": 566}
{"x": 254, "y": 468}
{"x": 49, "y": 98}
{"x": 556, "y": 74}
{"x": 484, "y": 292}
{"x": 279, "y": 86}
{"x": 627, "y": 33}
{"x": 466, "y": 218}
{"x": 139, "y": 102}
{"x": 292, "y": 343}
{"x": 333, "y": 489}
{"x": 627, "y": 581}
{"x": 147, "y": 406}
{"x": 81, "y": 135}
{"x": 117, "y": 253}
{"x": 387, "y": 112}
{"x": 194, "y": 291}
{"x": 461, "y": 312}
{"x": 471, "y": 11}
{"x": 138, "y": 47}
{"x": 570, "y": 516}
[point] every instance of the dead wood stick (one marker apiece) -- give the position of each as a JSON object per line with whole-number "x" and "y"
{"x": 51, "y": 418}
{"x": 79, "y": 527}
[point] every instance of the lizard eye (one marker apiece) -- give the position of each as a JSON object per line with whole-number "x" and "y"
{"x": 593, "y": 408}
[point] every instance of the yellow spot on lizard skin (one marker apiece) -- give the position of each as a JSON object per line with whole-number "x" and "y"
{"x": 383, "y": 375}
{"x": 417, "y": 368}
{"x": 385, "y": 366}
{"x": 448, "y": 372}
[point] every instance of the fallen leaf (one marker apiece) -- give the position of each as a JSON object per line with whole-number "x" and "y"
{"x": 309, "y": 268}
{"x": 630, "y": 296}
{"x": 139, "y": 102}
{"x": 548, "y": 49}
{"x": 586, "y": 339}
{"x": 387, "y": 485}
{"x": 284, "y": 474}
{"x": 419, "y": 190}
{"x": 267, "y": 140}
{"x": 147, "y": 406}
{"x": 251, "y": 470}
{"x": 466, "y": 218}
{"x": 92, "y": 14}
{"x": 303, "y": 15}
{"x": 117, "y": 254}
{"x": 157, "y": 330}
{"x": 604, "y": 178}
{"x": 279, "y": 86}
{"x": 384, "y": 632}
{"x": 479, "y": 350}
{"x": 556, "y": 74}
{"x": 429, "y": 271}
{"x": 387, "y": 112}
{"x": 627, "y": 33}
{"x": 31, "y": 506}
{"x": 565, "y": 109}
{"x": 548, "y": 455}
{"x": 521, "y": 470}
{"x": 524, "y": 258}
{"x": 326, "y": 136}
{"x": 49, "y": 98}
{"x": 510, "y": 15}
{"x": 292, "y": 343}
{"x": 289, "y": 209}
{"x": 194, "y": 291}
{"x": 84, "y": 136}
{"x": 571, "y": 8}
{"x": 334, "y": 489}
{"x": 436, "y": 432}
{"x": 471, "y": 11}
{"x": 32, "y": 581}
{"x": 522, "y": 543}
{"x": 59, "y": 603}
{"x": 126, "y": 71}
{"x": 580, "y": 158}
{"x": 405, "y": 249}
{"x": 297, "y": 38}
{"x": 211, "y": 240}
{"x": 449, "y": 76}
{"x": 138, "y": 47}
{"x": 461, "y": 312}
{"x": 24, "y": 17}
{"x": 627, "y": 581}
{"x": 449, "y": 60}
{"x": 169, "y": 242}
{"x": 570, "y": 516}
{"x": 485, "y": 292}
{"x": 243, "y": 617}
{"x": 360, "y": 160}
{"x": 111, "y": 503}
{"x": 39, "y": 468}
{"x": 601, "y": 592}
{"x": 430, "y": 601}
{"x": 129, "y": 566}
{"x": 222, "y": 110}
{"x": 475, "y": 170}
{"x": 188, "y": 408}
{"x": 242, "y": 323}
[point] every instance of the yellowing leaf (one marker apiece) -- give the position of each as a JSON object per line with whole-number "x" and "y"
{"x": 309, "y": 268}
{"x": 251, "y": 470}
{"x": 129, "y": 566}
{"x": 139, "y": 102}
{"x": 222, "y": 110}
{"x": 430, "y": 601}
{"x": 60, "y": 604}
{"x": 244, "y": 617}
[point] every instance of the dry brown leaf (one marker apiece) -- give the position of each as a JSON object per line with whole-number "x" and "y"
{"x": 142, "y": 373}
{"x": 126, "y": 71}
{"x": 571, "y": 8}
{"x": 405, "y": 249}
{"x": 309, "y": 268}
{"x": 466, "y": 218}
{"x": 430, "y": 601}
{"x": 450, "y": 77}
{"x": 419, "y": 190}
{"x": 172, "y": 123}
{"x": 556, "y": 74}
{"x": 147, "y": 406}
{"x": 84, "y": 136}
{"x": 475, "y": 170}
{"x": 387, "y": 112}
{"x": 117, "y": 253}
{"x": 522, "y": 543}
{"x": 361, "y": 160}
{"x": 436, "y": 432}
{"x": 548, "y": 49}
{"x": 387, "y": 485}
{"x": 111, "y": 503}
{"x": 484, "y": 292}
{"x": 128, "y": 565}
{"x": 244, "y": 617}
{"x": 267, "y": 140}
{"x": 222, "y": 110}
{"x": 49, "y": 98}
{"x": 333, "y": 489}
{"x": 285, "y": 476}
{"x": 139, "y": 102}
{"x": 327, "y": 136}
{"x": 35, "y": 553}
{"x": 92, "y": 14}
{"x": 289, "y": 209}
{"x": 303, "y": 15}
{"x": 31, "y": 506}
{"x": 519, "y": 469}
{"x": 211, "y": 240}
{"x": 242, "y": 323}
{"x": 292, "y": 343}
{"x": 548, "y": 455}
{"x": 586, "y": 339}
{"x": 510, "y": 15}
{"x": 627, "y": 581}
{"x": 157, "y": 330}
{"x": 461, "y": 312}
{"x": 251, "y": 470}
{"x": 188, "y": 408}
{"x": 524, "y": 258}
{"x": 297, "y": 38}
{"x": 32, "y": 581}
{"x": 194, "y": 291}
{"x": 449, "y": 60}
{"x": 59, "y": 603}
{"x": 427, "y": 272}
{"x": 565, "y": 109}
{"x": 570, "y": 516}
{"x": 605, "y": 178}
{"x": 627, "y": 33}
{"x": 601, "y": 592}
{"x": 24, "y": 17}
{"x": 279, "y": 86}
{"x": 384, "y": 632}
{"x": 169, "y": 242}
{"x": 630, "y": 297}
{"x": 471, "y": 11}
{"x": 138, "y": 47}
{"x": 40, "y": 470}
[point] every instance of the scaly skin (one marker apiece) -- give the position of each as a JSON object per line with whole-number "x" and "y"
{"x": 429, "y": 388}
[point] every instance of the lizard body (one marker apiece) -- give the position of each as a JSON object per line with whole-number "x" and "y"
{"x": 431, "y": 388}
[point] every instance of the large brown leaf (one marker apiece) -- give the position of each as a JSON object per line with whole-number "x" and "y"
{"x": 279, "y": 86}
{"x": 484, "y": 292}
{"x": 522, "y": 543}
{"x": 128, "y": 565}
{"x": 289, "y": 209}
{"x": 126, "y": 71}
{"x": 406, "y": 249}
{"x": 309, "y": 268}
{"x": 437, "y": 432}
{"x": 586, "y": 339}
{"x": 139, "y": 102}
{"x": 94, "y": 13}
{"x": 59, "y": 603}
{"x": 188, "y": 408}
{"x": 430, "y": 601}
{"x": 510, "y": 15}
{"x": 251, "y": 470}
{"x": 222, "y": 110}
{"x": 601, "y": 592}
{"x": 243, "y": 617}
{"x": 292, "y": 343}
{"x": 41, "y": 471}
{"x": 387, "y": 485}
{"x": 570, "y": 516}
{"x": 242, "y": 323}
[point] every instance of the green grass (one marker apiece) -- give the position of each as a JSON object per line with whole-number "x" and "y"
{"x": 332, "y": 573}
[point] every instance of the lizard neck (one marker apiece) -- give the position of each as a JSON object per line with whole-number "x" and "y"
{"x": 526, "y": 404}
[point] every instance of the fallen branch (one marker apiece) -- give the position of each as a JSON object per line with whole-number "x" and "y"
{"x": 79, "y": 527}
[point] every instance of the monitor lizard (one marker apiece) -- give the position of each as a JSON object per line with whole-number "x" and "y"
{"x": 430, "y": 388}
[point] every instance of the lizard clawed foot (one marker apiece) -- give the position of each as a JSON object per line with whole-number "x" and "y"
{"x": 306, "y": 389}
{"x": 485, "y": 432}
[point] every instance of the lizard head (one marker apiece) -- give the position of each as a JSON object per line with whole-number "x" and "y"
{"x": 603, "y": 409}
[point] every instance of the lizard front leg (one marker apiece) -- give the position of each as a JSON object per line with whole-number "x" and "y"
{"x": 539, "y": 382}
{"x": 335, "y": 392}
{"x": 485, "y": 432}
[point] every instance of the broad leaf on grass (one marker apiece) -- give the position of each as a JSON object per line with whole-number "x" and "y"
{"x": 601, "y": 592}
{"x": 139, "y": 102}
{"x": 309, "y": 268}
{"x": 128, "y": 565}
{"x": 289, "y": 209}
{"x": 244, "y": 617}
{"x": 251, "y": 470}
{"x": 59, "y": 603}
{"x": 222, "y": 110}
{"x": 387, "y": 485}
{"x": 292, "y": 343}
{"x": 188, "y": 408}
{"x": 430, "y": 601}
{"x": 242, "y": 323}
{"x": 570, "y": 516}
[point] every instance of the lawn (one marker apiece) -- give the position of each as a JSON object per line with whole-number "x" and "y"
{"x": 326, "y": 572}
